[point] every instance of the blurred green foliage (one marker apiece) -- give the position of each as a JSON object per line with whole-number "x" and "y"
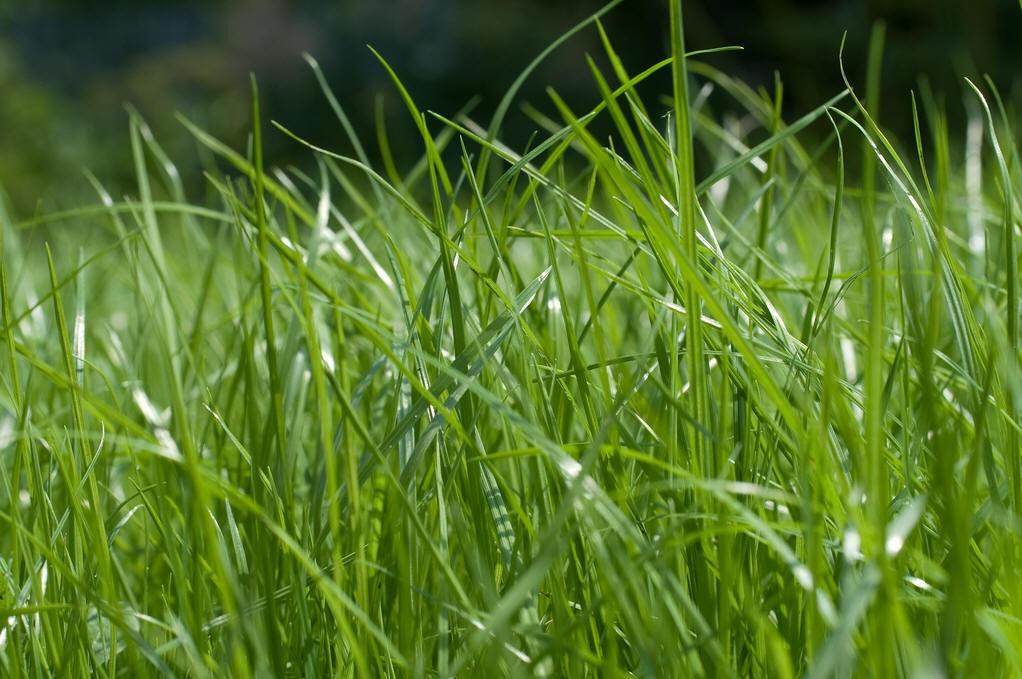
{"x": 67, "y": 69}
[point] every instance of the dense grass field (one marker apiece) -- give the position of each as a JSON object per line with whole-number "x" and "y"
{"x": 690, "y": 399}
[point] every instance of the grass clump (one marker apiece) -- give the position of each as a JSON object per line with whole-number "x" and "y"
{"x": 688, "y": 400}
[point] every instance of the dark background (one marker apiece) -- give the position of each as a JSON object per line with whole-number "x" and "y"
{"x": 67, "y": 69}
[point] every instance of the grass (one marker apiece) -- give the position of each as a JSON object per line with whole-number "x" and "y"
{"x": 691, "y": 399}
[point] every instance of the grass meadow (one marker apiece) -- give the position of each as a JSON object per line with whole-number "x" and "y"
{"x": 720, "y": 393}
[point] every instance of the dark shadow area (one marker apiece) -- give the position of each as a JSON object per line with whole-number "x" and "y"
{"x": 67, "y": 69}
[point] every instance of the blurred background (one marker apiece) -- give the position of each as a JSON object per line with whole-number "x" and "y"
{"x": 68, "y": 69}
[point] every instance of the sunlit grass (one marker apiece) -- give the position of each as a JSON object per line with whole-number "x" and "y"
{"x": 693, "y": 399}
